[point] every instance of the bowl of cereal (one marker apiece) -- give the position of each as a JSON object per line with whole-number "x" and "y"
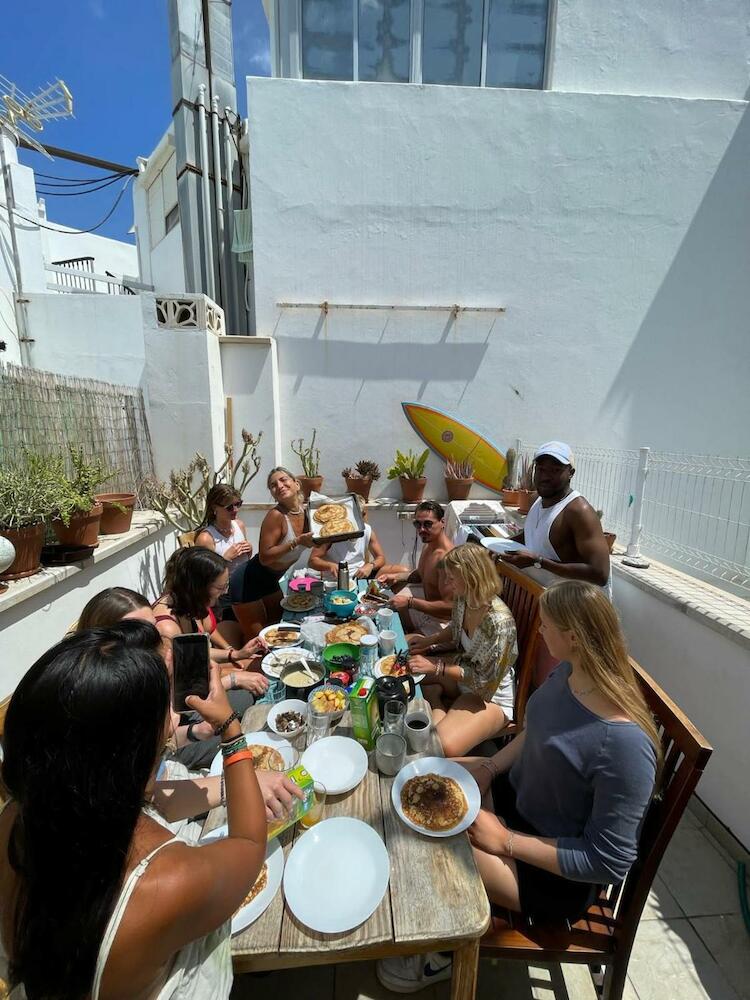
{"x": 288, "y": 718}
{"x": 330, "y": 700}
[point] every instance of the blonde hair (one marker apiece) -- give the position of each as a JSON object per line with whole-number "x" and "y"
{"x": 473, "y": 564}
{"x": 584, "y": 609}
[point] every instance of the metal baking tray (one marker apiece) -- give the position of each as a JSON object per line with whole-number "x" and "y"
{"x": 355, "y": 516}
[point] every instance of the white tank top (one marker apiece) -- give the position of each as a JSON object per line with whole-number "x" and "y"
{"x": 222, "y": 543}
{"x": 288, "y": 559}
{"x": 352, "y": 551}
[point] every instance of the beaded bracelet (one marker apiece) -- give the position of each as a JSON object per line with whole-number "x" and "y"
{"x": 235, "y": 757}
{"x": 222, "y": 792}
{"x": 227, "y": 749}
{"x": 220, "y": 730}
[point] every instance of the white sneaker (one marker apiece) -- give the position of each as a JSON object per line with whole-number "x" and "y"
{"x": 413, "y": 972}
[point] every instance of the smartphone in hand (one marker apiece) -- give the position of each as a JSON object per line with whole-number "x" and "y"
{"x": 190, "y": 668}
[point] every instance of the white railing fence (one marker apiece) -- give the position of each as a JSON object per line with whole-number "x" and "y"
{"x": 690, "y": 511}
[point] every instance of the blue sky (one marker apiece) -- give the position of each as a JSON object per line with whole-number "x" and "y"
{"x": 114, "y": 57}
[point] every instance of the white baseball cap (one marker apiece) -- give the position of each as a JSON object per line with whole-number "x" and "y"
{"x": 557, "y": 449}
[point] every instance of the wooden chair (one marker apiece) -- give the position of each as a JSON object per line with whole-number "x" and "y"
{"x": 187, "y": 539}
{"x": 605, "y": 935}
{"x": 522, "y": 594}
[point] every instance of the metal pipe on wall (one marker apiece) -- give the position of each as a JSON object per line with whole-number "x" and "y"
{"x": 233, "y": 313}
{"x": 220, "y": 247}
{"x": 206, "y": 192}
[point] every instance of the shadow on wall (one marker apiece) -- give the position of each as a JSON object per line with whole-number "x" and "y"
{"x": 689, "y": 365}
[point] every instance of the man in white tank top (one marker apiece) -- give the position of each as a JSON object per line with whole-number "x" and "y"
{"x": 563, "y": 536}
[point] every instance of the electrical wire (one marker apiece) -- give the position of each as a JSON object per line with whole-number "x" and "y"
{"x": 77, "y": 180}
{"x": 76, "y": 193}
{"x": 76, "y": 232}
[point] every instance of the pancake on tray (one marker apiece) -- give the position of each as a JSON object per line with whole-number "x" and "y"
{"x": 265, "y": 756}
{"x": 336, "y": 528}
{"x": 258, "y": 886}
{"x": 348, "y": 632}
{"x": 330, "y": 512}
{"x": 433, "y": 801}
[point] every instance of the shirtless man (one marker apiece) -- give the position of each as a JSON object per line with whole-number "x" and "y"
{"x": 428, "y": 607}
{"x": 562, "y": 536}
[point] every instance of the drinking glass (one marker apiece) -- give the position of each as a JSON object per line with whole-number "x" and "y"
{"x": 393, "y": 717}
{"x": 315, "y": 813}
{"x": 390, "y": 753}
{"x": 318, "y": 724}
{"x": 289, "y": 760}
{"x": 384, "y": 618}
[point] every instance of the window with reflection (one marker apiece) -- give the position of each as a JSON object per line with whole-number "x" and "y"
{"x": 327, "y": 39}
{"x": 452, "y": 42}
{"x": 384, "y": 40}
{"x": 516, "y": 43}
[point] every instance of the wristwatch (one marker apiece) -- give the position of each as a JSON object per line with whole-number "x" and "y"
{"x": 538, "y": 562}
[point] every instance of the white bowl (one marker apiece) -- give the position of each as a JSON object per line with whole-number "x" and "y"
{"x": 290, "y": 705}
{"x": 450, "y": 769}
{"x": 338, "y": 762}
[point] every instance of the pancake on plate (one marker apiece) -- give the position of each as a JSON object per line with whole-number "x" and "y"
{"x": 258, "y": 886}
{"x": 433, "y": 801}
{"x": 300, "y": 602}
{"x": 279, "y": 637}
{"x": 393, "y": 666}
{"x": 348, "y": 632}
{"x": 330, "y": 512}
{"x": 265, "y": 758}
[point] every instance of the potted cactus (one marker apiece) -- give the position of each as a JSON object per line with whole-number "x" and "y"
{"x": 459, "y": 478}
{"x": 526, "y": 491}
{"x": 409, "y": 470}
{"x": 360, "y": 478}
{"x": 77, "y": 515}
{"x": 310, "y": 458}
{"x": 29, "y": 492}
{"x": 510, "y": 489}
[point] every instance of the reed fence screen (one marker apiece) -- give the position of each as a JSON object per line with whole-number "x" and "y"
{"x": 45, "y": 412}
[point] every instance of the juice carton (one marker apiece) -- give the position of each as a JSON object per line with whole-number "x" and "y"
{"x": 363, "y": 706}
{"x": 302, "y": 779}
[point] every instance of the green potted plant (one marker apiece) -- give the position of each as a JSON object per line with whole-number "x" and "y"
{"x": 608, "y": 535}
{"x": 510, "y": 488}
{"x": 310, "y": 458}
{"x": 360, "y": 478}
{"x": 459, "y": 478}
{"x": 409, "y": 470}
{"x": 29, "y": 491}
{"x": 77, "y": 515}
{"x": 526, "y": 491}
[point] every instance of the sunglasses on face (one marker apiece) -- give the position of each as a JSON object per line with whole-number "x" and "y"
{"x": 233, "y": 506}
{"x": 424, "y": 524}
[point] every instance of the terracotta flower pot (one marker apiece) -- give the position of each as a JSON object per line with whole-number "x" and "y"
{"x": 458, "y": 489}
{"x": 83, "y": 528}
{"x": 28, "y": 544}
{"x": 412, "y": 490}
{"x": 114, "y": 520}
{"x": 510, "y": 498}
{"x": 310, "y": 483}
{"x": 361, "y": 485}
{"x": 525, "y": 500}
{"x": 610, "y": 539}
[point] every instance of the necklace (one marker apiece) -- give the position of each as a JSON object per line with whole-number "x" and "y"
{"x": 476, "y": 607}
{"x": 583, "y": 691}
{"x": 301, "y": 510}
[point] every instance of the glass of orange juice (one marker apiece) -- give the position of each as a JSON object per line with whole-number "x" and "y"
{"x": 315, "y": 813}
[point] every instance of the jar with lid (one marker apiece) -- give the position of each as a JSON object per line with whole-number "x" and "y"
{"x": 368, "y": 655}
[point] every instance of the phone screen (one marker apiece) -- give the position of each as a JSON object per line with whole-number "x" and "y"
{"x": 191, "y": 661}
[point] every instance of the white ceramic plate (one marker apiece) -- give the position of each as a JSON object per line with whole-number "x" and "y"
{"x": 284, "y": 747}
{"x": 275, "y": 861}
{"x": 338, "y": 762}
{"x": 378, "y": 672}
{"x": 501, "y": 545}
{"x": 332, "y": 905}
{"x": 290, "y": 705}
{"x": 282, "y": 625}
{"x": 273, "y": 663}
{"x": 312, "y": 601}
{"x": 448, "y": 768}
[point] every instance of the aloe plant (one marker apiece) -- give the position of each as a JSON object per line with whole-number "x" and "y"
{"x": 459, "y": 470}
{"x": 409, "y": 465}
{"x": 364, "y": 469}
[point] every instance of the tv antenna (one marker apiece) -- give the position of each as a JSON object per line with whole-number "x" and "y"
{"x": 26, "y": 114}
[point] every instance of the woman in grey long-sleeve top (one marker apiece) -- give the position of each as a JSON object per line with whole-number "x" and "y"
{"x": 570, "y": 792}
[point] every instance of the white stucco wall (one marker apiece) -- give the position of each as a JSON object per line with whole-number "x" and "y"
{"x": 613, "y": 230}
{"x": 88, "y": 335}
{"x": 116, "y": 256}
{"x": 683, "y": 48}
{"x": 167, "y": 265}
{"x": 706, "y": 674}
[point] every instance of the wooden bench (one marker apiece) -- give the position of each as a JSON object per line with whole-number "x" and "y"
{"x": 605, "y": 935}
{"x": 522, "y": 594}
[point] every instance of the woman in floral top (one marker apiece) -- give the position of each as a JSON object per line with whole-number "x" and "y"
{"x": 471, "y": 689}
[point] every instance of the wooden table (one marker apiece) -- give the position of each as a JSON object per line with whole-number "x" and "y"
{"x": 435, "y": 899}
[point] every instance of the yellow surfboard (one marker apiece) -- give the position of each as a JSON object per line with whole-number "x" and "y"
{"x": 450, "y": 439}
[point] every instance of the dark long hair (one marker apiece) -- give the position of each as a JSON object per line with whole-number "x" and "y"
{"x": 110, "y": 606}
{"x": 188, "y": 575}
{"x": 82, "y": 735}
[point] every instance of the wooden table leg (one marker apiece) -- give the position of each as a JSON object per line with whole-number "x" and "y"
{"x": 465, "y": 969}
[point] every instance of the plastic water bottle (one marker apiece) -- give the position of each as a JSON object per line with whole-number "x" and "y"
{"x": 368, "y": 655}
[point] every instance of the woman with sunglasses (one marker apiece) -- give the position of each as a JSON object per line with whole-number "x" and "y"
{"x": 222, "y": 531}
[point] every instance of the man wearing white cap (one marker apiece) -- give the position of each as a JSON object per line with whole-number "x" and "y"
{"x": 562, "y": 537}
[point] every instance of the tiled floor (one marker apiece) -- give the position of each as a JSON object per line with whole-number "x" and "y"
{"x": 692, "y": 944}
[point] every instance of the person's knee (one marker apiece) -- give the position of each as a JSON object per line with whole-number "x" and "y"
{"x": 453, "y": 743}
